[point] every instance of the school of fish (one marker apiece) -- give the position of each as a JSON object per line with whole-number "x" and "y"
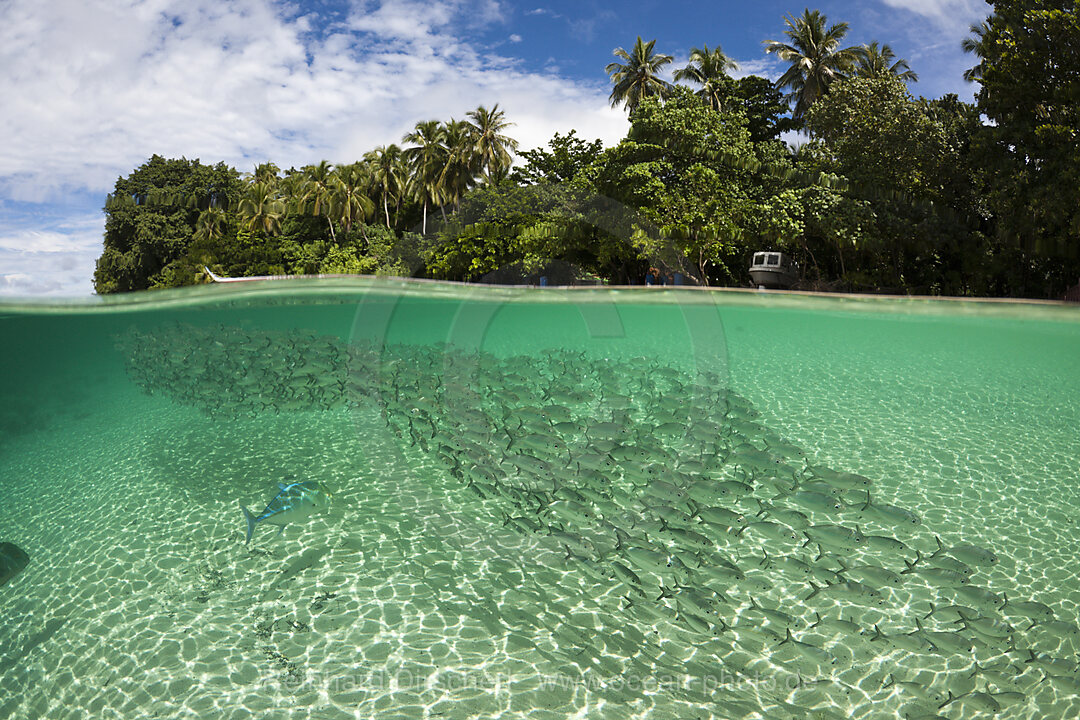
{"x": 710, "y": 541}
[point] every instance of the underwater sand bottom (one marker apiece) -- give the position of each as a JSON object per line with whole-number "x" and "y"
{"x": 409, "y": 599}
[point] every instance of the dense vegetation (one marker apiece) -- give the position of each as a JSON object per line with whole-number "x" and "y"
{"x": 889, "y": 193}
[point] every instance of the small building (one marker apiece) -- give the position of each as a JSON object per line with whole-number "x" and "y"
{"x": 771, "y": 269}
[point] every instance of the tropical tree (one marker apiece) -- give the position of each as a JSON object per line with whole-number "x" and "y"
{"x": 261, "y": 209}
{"x": 877, "y": 61}
{"x": 460, "y": 163}
{"x": 315, "y": 191}
{"x": 266, "y": 172}
{"x": 349, "y": 202}
{"x": 639, "y": 76}
{"x": 908, "y": 211}
{"x": 709, "y": 69}
{"x": 210, "y": 225}
{"x": 389, "y": 175}
{"x": 815, "y": 56}
{"x": 1028, "y": 88}
{"x": 494, "y": 150}
{"x": 426, "y": 160}
{"x": 976, "y": 44}
{"x": 568, "y": 156}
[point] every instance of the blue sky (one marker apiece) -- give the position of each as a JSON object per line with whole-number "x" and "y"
{"x": 92, "y": 88}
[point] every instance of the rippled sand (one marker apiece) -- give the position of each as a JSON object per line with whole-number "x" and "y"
{"x": 411, "y": 598}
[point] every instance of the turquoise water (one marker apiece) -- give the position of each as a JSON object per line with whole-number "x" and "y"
{"x": 538, "y": 505}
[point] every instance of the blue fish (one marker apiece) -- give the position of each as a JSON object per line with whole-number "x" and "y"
{"x": 294, "y": 501}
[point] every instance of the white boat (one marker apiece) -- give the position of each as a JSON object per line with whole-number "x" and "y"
{"x": 773, "y": 270}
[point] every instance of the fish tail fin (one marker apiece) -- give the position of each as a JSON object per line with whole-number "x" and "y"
{"x": 250, "y": 523}
{"x": 812, "y": 594}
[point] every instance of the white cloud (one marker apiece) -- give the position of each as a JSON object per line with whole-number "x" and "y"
{"x": 950, "y": 14}
{"x": 769, "y": 67}
{"x": 92, "y": 88}
{"x": 54, "y": 260}
{"x": 515, "y": 38}
{"x": 49, "y": 241}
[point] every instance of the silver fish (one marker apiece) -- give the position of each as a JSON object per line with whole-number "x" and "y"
{"x": 293, "y": 502}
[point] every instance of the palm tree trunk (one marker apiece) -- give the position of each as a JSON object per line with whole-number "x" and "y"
{"x": 423, "y": 224}
{"x": 332, "y": 235}
{"x": 386, "y": 210}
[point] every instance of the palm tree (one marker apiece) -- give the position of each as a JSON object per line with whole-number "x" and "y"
{"x": 315, "y": 190}
{"x": 461, "y": 163}
{"x": 427, "y": 160}
{"x": 261, "y": 209}
{"x": 388, "y": 174}
{"x": 709, "y": 69}
{"x": 267, "y": 172}
{"x": 976, "y": 44}
{"x": 211, "y": 224}
{"x": 348, "y": 199}
{"x": 876, "y": 62}
{"x": 638, "y": 78}
{"x": 494, "y": 150}
{"x": 815, "y": 57}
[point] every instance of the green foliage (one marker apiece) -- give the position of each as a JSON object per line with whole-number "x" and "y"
{"x": 508, "y": 224}
{"x": 691, "y": 171}
{"x": 872, "y": 131}
{"x": 568, "y": 156}
{"x": 1029, "y": 72}
{"x": 151, "y": 217}
{"x": 890, "y": 193}
{"x": 709, "y": 70}
{"x": 638, "y": 77}
{"x": 469, "y": 252}
{"x": 764, "y": 107}
{"x": 815, "y": 57}
{"x": 909, "y": 211}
